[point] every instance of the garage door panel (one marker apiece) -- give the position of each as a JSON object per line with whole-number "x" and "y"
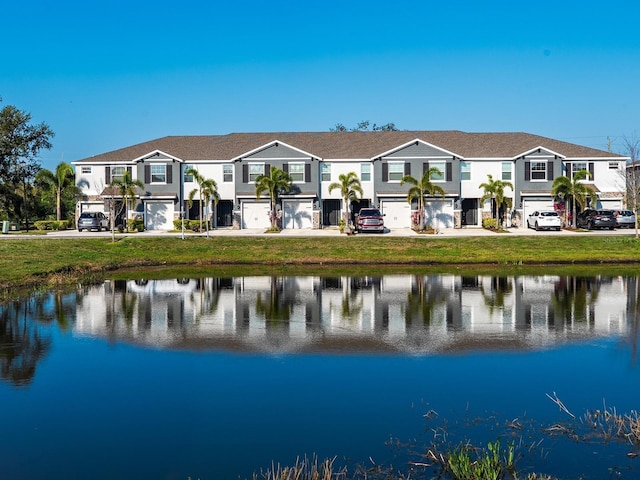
{"x": 439, "y": 214}
{"x": 397, "y": 213}
{"x": 255, "y": 215}
{"x": 298, "y": 214}
{"x": 159, "y": 215}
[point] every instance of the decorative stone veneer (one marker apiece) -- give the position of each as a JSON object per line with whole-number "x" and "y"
{"x": 237, "y": 219}
{"x": 316, "y": 224}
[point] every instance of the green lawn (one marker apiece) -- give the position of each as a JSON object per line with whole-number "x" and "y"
{"x": 35, "y": 261}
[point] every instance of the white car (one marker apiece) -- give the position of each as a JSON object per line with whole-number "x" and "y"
{"x": 544, "y": 221}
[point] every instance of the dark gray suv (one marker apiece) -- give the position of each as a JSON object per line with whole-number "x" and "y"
{"x": 591, "y": 219}
{"x": 93, "y": 221}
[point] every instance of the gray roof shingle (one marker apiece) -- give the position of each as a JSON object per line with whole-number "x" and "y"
{"x": 349, "y": 145}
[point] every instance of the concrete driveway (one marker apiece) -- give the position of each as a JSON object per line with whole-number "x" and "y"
{"x": 331, "y": 231}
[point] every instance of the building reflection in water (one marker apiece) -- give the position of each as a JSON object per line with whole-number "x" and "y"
{"x": 394, "y": 313}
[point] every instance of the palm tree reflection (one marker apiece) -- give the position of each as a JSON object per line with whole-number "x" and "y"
{"x": 21, "y": 345}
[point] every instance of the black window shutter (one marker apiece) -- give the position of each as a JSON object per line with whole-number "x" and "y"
{"x": 245, "y": 173}
{"x": 285, "y": 168}
{"x": 527, "y": 171}
{"x": 307, "y": 173}
{"x": 449, "y": 175}
{"x": 591, "y": 170}
{"x": 107, "y": 175}
{"x": 385, "y": 172}
{"x": 407, "y": 168}
{"x": 130, "y": 172}
{"x": 267, "y": 169}
{"x": 169, "y": 173}
{"x": 147, "y": 174}
{"x": 549, "y": 171}
{"x": 569, "y": 171}
{"x": 425, "y": 167}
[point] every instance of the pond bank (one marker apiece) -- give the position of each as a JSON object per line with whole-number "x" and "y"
{"x": 50, "y": 261}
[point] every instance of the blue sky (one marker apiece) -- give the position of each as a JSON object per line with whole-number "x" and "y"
{"x": 105, "y": 75}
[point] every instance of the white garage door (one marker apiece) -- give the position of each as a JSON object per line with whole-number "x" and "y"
{"x": 255, "y": 215}
{"x": 159, "y": 215}
{"x": 611, "y": 204}
{"x": 530, "y": 206}
{"x": 397, "y": 213}
{"x": 439, "y": 213}
{"x": 297, "y": 214}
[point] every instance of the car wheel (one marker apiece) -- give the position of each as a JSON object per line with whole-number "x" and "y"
{"x": 528, "y": 225}
{"x": 536, "y": 227}
{"x": 590, "y": 226}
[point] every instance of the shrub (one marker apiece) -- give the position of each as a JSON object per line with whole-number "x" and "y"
{"x": 52, "y": 224}
{"x": 137, "y": 225}
{"x": 490, "y": 223}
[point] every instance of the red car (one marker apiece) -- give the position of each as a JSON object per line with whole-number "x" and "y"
{"x": 370, "y": 220}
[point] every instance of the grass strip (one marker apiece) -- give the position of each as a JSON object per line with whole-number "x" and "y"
{"x": 36, "y": 261}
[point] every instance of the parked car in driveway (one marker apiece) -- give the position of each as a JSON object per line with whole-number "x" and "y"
{"x": 544, "y": 220}
{"x": 370, "y": 220}
{"x": 591, "y": 219}
{"x": 625, "y": 219}
{"x": 93, "y": 221}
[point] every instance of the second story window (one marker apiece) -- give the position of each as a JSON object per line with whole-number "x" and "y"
{"x": 86, "y": 170}
{"x": 188, "y": 178}
{"x": 255, "y": 170}
{"x": 442, "y": 167}
{"x": 396, "y": 171}
{"x": 227, "y": 173}
{"x": 117, "y": 173}
{"x": 538, "y": 170}
{"x": 365, "y": 172}
{"x": 465, "y": 171}
{"x": 158, "y": 174}
{"x": 326, "y": 172}
{"x": 296, "y": 172}
{"x": 506, "y": 171}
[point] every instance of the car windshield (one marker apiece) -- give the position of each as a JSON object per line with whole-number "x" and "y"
{"x": 606, "y": 212}
{"x": 548, "y": 214}
{"x": 369, "y": 212}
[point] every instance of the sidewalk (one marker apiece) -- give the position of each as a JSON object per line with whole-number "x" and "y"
{"x": 326, "y": 232}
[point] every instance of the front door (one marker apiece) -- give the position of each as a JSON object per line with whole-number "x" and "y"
{"x": 330, "y": 212}
{"x": 469, "y": 212}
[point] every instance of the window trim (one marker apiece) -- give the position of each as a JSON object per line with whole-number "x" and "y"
{"x": 226, "y": 174}
{"x": 302, "y": 172}
{"x": 544, "y": 163}
{"x": 325, "y": 169}
{"x": 152, "y": 174}
{"x": 400, "y": 165}
{"x": 188, "y": 178}
{"x": 442, "y": 178}
{"x": 510, "y": 171}
{"x": 362, "y": 172}
{"x": 465, "y": 168}
{"x": 115, "y": 176}
{"x": 255, "y": 165}
{"x": 85, "y": 170}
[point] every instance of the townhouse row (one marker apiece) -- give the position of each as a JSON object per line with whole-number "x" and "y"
{"x": 315, "y": 160}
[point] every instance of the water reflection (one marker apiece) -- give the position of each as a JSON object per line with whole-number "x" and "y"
{"x": 403, "y": 313}
{"x": 22, "y": 344}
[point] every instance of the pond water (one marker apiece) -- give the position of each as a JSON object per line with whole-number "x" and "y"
{"x": 216, "y": 378}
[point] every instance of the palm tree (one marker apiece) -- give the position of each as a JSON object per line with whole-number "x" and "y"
{"x": 274, "y": 184}
{"x": 494, "y": 191}
{"x": 207, "y": 189}
{"x": 59, "y": 182}
{"x": 420, "y": 189}
{"x": 349, "y": 186}
{"x": 128, "y": 189}
{"x": 574, "y": 191}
